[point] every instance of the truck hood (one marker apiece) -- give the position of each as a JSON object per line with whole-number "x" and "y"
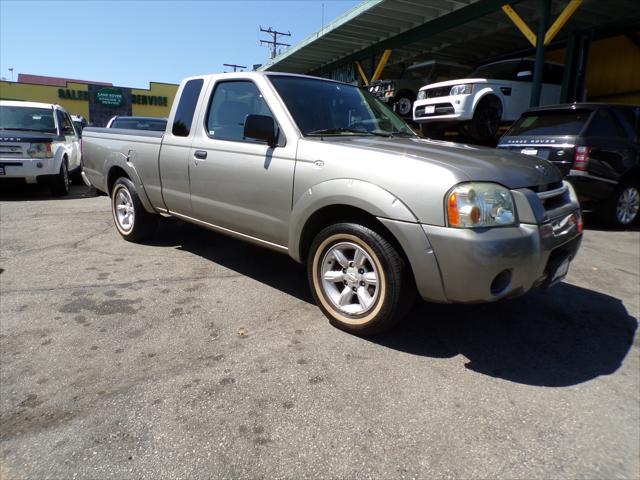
{"x": 451, "y": 83}
{"x": 26, "y": 136}
{"x": 469, "y": 163}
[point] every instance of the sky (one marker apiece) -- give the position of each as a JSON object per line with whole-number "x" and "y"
{"x": 130, "y": 43}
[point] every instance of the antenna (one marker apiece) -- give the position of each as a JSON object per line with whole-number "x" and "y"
{"x": 235, "y": 67}
{"x": 274, "y": 44}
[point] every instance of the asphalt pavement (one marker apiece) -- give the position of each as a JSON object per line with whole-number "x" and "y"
{"x": 199, "y": 356}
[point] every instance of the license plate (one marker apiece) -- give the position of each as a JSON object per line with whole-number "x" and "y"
{"x": 2, "y": 170}
{"x": 542, "y": 153}
{"x": 429, "y": 109}
{"x": 561, "y": 272}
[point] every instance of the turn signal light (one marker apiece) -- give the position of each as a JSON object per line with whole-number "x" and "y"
{"x": 581, "y": 158}
{"x": 452, "y": 207}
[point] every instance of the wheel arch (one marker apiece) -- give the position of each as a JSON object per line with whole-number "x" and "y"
{"x": 341, "y": 200}
{"x": 489, "y": 94}
{"x": 116, "y": 166}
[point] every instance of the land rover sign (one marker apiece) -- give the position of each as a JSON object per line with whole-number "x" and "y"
{"x": 109, "y": 97}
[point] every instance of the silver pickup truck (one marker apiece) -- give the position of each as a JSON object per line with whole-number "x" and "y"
{"x": 326, "y": 173}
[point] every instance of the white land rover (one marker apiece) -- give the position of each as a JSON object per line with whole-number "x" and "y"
{"x": 38, "y": 144}
{"x": 493, "y": 94}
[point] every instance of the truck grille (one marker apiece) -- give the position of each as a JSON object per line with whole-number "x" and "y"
{"x": 553, "y": 196}
{"x": 437, "y": 92}
{"x": 11, "y": 150}
{"x": 440, "y": 109}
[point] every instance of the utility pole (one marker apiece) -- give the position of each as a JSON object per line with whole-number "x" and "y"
{"x": 274, "y": 44}
{"x": 235, "y": 67}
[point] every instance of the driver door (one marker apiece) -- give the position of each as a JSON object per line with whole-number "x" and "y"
{"x": 71, "y": 140}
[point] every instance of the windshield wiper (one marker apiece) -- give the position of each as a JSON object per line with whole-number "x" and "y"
{"x": 392, "y": 133}
{"x": 338, "y": 131}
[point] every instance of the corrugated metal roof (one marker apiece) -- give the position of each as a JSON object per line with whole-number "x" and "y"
{"x": 467, "y": 31}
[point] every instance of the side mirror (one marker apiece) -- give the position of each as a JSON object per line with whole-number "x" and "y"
{"x": 261, "y": 127}
{"x": 524, "y": 73}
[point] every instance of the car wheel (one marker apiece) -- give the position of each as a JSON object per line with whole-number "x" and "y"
{"x": 623, "y": 208}
{"x": 60, "y": 182}
{"x": 404, "y": 105}
{"x": 133, "y": 222}
{"x": 358, "y": 279}
{"x": 486, "y": 120}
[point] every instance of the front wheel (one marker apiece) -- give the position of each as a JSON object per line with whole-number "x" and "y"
{"x": 133, "y": 222}
{"x": 486, "y": 120}
{"x": 358, "y": 279}
{"x": 404, "y": 104}
{"x": 60, "y": 182}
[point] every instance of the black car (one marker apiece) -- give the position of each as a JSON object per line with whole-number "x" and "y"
{"x": 597, "y": 148}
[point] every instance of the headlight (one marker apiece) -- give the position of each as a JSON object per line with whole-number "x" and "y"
{"x": 477, "y": 205}
{"x": 463, "y": 89}
{"x": 422, "y": 94}
{"x": 40, "y": 150}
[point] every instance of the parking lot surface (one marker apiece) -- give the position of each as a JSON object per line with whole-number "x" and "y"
{"x": 197, "y": 356}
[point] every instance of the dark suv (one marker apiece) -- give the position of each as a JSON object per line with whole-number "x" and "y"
{"x": 596, "y": 146}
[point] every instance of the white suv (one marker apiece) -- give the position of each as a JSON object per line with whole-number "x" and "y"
{"x": 38, "y": 144}
{"x": 493, "y": 94}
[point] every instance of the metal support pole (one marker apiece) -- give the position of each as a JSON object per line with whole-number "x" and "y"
{"x": 545, "y": 11}
{"x": 567, "y": 94}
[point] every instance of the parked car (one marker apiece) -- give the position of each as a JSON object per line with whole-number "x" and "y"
{"x": 38, "y": 144}
{"x": 401, "y": 92}
{"x": 596, "y": 146}
{"x": 324, "y": 172}
{"x": 492, "y": 95}
{"x": 138, "y": 123}
{"x": 79, "y": 122}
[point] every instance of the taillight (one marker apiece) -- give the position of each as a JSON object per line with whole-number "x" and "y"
{"x": 581, "y": 158}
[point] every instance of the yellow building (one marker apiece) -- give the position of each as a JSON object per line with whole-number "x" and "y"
{"x": 97, "y": 102}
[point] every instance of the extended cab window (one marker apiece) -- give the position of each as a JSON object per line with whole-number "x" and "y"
{"x": 186, "y": 108}
{"x": 231, "y": 103}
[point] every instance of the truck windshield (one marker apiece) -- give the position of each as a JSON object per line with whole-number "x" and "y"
{"x": 322, "y": 107}
{"x": 27, "y": 119}
{"x": 555, "y": 123}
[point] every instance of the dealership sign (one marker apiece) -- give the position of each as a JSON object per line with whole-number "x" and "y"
{"x": 110, "y": 97}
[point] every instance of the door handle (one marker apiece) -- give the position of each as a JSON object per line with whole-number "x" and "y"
{"x": 200, "y": 154}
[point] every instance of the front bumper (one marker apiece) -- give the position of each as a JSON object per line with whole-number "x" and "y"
{"x": 29, "y": 168}
{"x": 486, "y": 265}
{"x": 452, "y": 108}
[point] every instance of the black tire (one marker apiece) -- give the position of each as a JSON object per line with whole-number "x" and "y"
{"x": 403, "y": 105}
{"x": 136, "y": 224}
{"x": 60, "y": 183}
{"x": 486, "y": 120}
{"x": 394, "y": 291}
{"x": 612, "y": 211}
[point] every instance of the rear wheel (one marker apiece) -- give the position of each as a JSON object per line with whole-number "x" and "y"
{"x": 358, "y": 279}
{"x": 60, "y": 182}
{"x": 623, "y": 208}
{"x": 133, "y": 222}
{"x": 486, "y": 120}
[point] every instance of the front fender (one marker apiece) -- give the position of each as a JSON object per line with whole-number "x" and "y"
{"x": 120, "y": 160}
{"x": 354, "y": 193}
{"x": 488, "y": 90}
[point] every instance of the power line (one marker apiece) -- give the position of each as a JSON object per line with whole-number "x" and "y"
{"x": 274, "y": 44}
{"x": 235, "y": 67}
